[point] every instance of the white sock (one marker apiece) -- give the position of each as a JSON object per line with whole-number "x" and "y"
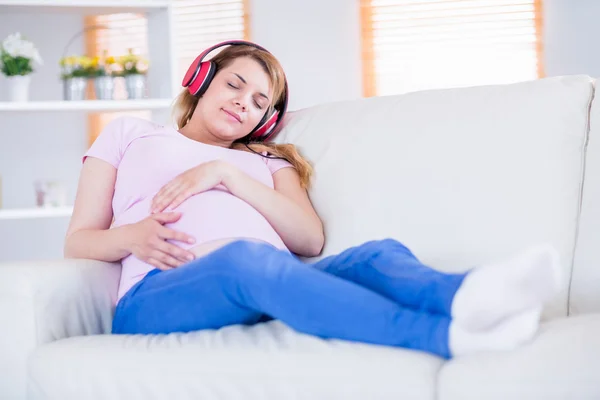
{"x": 506, "y": 335}
{"x": 495, "y": 291}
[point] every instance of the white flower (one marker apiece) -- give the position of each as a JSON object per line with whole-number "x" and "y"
{"x": 12, "y": 44}
{"x": 16, "y": 46}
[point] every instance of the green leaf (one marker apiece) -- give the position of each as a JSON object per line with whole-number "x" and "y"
{"x": 13, "y": 66}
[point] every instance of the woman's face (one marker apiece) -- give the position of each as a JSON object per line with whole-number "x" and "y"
{"x": 235, "y": 101}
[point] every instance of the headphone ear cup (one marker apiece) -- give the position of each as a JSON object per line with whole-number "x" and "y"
{"x": 265, "y": 127}
{"x": 200, "y": 82}
{"x": 192, "y": 72}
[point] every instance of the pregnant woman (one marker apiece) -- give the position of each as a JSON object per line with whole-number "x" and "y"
{"x": 208, "y": 219}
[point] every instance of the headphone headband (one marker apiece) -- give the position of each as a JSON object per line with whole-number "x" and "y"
{"x": 200, "y": 74}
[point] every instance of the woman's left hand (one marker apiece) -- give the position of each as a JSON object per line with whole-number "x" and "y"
{"x": 195, "y": 180}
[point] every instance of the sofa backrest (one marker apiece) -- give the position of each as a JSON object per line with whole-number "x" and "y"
{"x": 585, "y": 284}
{"x": 462, "y": 176}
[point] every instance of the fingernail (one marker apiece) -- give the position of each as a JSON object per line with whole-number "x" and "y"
{"x": 190, "y": 240}
{"x": 190, "y": 257}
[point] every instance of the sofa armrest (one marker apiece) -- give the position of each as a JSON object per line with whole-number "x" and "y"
{"x": 44, "y": 301}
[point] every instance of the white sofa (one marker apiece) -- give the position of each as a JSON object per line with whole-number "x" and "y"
{"x": 462, "y": 176}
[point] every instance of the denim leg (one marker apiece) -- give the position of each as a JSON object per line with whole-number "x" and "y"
{"x": 185, "y": 299}
{"x": 243, "y": 281}
{"x": 390, "y": 269}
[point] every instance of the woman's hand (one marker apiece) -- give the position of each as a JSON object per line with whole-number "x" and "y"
{"x": 195, "y": 180}
{"x": 147, "y": 240}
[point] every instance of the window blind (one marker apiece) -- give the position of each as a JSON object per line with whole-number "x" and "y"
{"x": 200, "y": 24}
{"x": 410, "y": 45}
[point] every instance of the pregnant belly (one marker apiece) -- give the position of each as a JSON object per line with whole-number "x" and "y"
{"x": 214, "y": 218}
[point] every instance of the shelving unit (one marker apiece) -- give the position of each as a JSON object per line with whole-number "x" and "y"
{"x": 87, "y": 105}
{"x": 81, "y": 6}
{"x": 162, "y": 82}
{"x": 41, "y": 212}
{"x": 161, "y": 76}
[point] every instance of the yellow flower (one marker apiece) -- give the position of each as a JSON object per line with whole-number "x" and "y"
{"x": 67, "y": 61}
{"x": 110, "y": 60}
{"x": 85, "y": 61}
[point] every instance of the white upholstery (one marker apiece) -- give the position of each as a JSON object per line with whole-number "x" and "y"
{"x": 41, "y": 302}
{"x": 462, "y": 176}
{"x": 585, "y": 286}
{"x": 264, "y": 361}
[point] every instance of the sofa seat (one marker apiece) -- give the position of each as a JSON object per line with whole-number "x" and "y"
{"x": 271, "y": 360}
{"x": 563, "y": 362}
{"x": 268, "y": 360}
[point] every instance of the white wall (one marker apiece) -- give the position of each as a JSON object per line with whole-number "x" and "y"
{"x": 572, "y": 37}
{"x": 318, "y": 43}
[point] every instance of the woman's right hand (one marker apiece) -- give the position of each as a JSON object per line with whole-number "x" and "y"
{"x": 148, "y": 241}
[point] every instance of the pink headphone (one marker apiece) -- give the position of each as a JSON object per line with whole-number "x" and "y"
{"x": 200, "y": 73}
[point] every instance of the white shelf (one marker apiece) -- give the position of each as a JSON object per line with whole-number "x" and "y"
{"x": 28, "y": 213}
{"x": 81, "y": 6}
{"x": 87, "y": 105}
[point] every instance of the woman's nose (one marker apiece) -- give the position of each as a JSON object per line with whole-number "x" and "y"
{"x": 240, "y": 103}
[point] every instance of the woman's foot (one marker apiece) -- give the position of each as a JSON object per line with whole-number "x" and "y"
{"x": 506, "y": 335}
{"x": 493, "y": 292}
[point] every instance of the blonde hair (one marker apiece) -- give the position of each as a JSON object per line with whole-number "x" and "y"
{"x": 185, "y": 105}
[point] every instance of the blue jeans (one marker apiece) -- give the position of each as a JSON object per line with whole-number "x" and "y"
{"x": 377, "y": 293}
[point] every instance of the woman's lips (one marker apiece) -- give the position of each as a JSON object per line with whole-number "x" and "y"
{"x": 232, "y": 116}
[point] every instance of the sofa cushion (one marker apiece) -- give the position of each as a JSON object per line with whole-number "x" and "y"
{"x": 462, "y": 176}
{"x": 563, "y": 362}
{"x": 266, "y": 361}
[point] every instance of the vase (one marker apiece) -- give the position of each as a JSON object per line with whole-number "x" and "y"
{"x": 104, "y": 86}
{"x": 136, "y": 86}
{"x": 18, "y": 87}
{"x": 49, "y": 193}
{"x": 74, "y": 88}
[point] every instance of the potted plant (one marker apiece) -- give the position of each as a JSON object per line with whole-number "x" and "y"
{"x": 134, "y": 68}
{"x": 17, "y": 56}
{"x": 76, "y": 70}
{"x": 101, "y": 70}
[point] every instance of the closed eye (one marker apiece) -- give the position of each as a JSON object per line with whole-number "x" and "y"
{"x": 255, "y": 102}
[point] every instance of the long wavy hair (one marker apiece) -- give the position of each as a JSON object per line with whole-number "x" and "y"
{"x": 186, "y": 103}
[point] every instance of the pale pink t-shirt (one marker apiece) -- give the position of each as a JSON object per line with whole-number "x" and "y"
{"x": 147, "y": 156}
